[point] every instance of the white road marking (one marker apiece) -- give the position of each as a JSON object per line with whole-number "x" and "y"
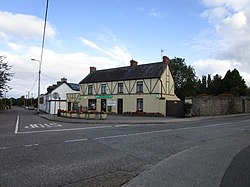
{"x": 30, "y": 145}
{"x": 159, "y": 131}
{"x": 32, "y": 126}
{"x": 46, "y": 125}
{"x": 245, "y": 121}
{"x": 17, "y": 123}
{"x": 76, "y": 140}
{"x": 62, "y": 130}
{"x": 41, "y": 125}
{"x": 125, "y": 125}
{"x": 4, "y": 148}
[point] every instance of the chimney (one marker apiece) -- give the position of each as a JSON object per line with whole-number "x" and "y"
{"x": 63, "y": 80}
{"x": 165, "y": 59}
{"x": 58, "y": 83}
{"x": 92, "y": 69}
{"x": 133, "y": 63}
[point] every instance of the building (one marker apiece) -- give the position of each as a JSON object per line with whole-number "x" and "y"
{"x": 141, "y": 88}
{"x": 55, "y": 98}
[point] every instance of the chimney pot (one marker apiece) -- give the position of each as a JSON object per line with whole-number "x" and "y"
{"x": 92, "y": 69}
{"x": 165, "y": 59}
{"x": 133, "y": 63}
{"x": 63, "y": 80}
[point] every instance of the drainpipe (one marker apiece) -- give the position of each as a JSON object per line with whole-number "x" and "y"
{"x": 161, "y": 87}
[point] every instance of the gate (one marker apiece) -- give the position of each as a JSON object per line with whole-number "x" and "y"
{"x": 175, "y": 108}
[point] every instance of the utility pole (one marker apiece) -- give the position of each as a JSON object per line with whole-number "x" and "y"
{"x": 41, "y": 59}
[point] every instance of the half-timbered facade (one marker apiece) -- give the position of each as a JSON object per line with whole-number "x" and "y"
{"x": 144, "y": 88}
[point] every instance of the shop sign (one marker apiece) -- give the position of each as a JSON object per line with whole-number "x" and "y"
{"x": 104, "y": 96}
{"x": 111, "y": 103}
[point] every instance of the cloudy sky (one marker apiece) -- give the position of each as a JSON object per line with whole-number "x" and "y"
{"x": 212, "y": 35}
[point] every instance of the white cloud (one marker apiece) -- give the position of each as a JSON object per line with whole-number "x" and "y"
{"x": 220, "y": 67}
{"x": 22, "y": 26}
{"x": 74, "y": 66}
{"x": 227, "y": 40}
{"x": 116, "y": 53}
{"x": 90, "y": 44}
{"x": 215, "y": 13}
{"x": 235, "y": 5}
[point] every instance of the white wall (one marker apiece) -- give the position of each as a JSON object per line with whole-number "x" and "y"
{"x": 53, "y": 105}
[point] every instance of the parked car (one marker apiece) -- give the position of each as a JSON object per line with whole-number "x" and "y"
{"x": 31, "y": 107}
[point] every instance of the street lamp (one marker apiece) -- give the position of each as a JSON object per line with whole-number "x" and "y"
{"x": 39, "y": 81}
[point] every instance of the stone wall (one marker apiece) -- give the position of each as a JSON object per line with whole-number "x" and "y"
{"x": 215, "y": 105}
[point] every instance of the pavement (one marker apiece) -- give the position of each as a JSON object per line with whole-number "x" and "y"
{"x": 122, "y": 119}
{"x": 197, "y": 166}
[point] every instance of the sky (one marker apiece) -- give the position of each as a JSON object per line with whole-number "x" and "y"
{"x": 213, "y": 36}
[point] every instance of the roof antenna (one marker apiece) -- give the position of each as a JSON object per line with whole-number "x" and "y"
{"x": 162, "y": 50}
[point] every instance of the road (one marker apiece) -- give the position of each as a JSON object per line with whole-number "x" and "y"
{"x": 38, "y": 152}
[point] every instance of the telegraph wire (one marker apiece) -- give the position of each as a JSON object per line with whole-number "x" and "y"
{"x": 34, "y": 84}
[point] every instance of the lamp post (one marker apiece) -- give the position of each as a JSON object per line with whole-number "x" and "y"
{"x": 39, "y": 82}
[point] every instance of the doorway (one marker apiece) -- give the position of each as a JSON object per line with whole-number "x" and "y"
{"x": 103, "y": 104}
{"x": 120, "y": 106}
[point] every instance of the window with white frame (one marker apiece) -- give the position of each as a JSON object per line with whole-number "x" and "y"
{"x": 103, "y": 88}
{"x": 90, "y": 89}
{"x": 139, "y": 87}
{"x": 120, "y": 88}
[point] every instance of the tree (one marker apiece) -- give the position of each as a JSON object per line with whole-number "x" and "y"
{"x": 233, "y": 83}
{"x": 216, "y": 85}
{"x": 5, "y": 75}
{"x": 184, "y": 77}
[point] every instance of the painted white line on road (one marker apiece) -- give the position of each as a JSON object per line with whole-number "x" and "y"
{"x": 17, "y": 123}
{"x": 125, "y": 125}
{"x": 46, "y": 125}
{"x": 32, "y": 126}
{"x": 159, "y": 131}
{"x": 76, "y": 140}
{"x": 4, "y": 148}
{"x": 30, "y": 145}
{"x": 62, "y": 130}
{"x": 245, "y": 121}
{"x": 41, "y": 125}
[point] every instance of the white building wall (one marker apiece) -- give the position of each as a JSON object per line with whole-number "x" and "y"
{"x": 52, "y": 105}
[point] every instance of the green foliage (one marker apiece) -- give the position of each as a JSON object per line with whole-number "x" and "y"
{"x": 184, "y": 77}
{"x": 234, "y": 83}
{"x": 5, "y": 75}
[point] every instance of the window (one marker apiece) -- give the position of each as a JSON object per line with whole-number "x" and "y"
{"x": 139, "y": 87}
{"x": 120, "y": 88}
{"x": 103, "y": 90}
{"x": 75, "y": 106}
{"x": 139, "y": 105}
{"x": 92, "y": 104}
{"x": 90, "y": 89}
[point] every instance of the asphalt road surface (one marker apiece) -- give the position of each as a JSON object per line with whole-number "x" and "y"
{"x": 38, "y": 152}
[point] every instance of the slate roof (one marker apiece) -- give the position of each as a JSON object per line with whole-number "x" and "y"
{"x": 144, "y": 71}
{"x": 74, "y": 86}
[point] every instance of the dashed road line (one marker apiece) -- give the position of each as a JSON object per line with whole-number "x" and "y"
{"x": 76, "y": 140}
{"x": 113, "y": 136}
{"x": 17, "y": 123}
{"x": 62, "y": 130}
{"x": 30, "y": 145}
{"x": 124, "y": 125}
{"x": 4, "y": 148}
